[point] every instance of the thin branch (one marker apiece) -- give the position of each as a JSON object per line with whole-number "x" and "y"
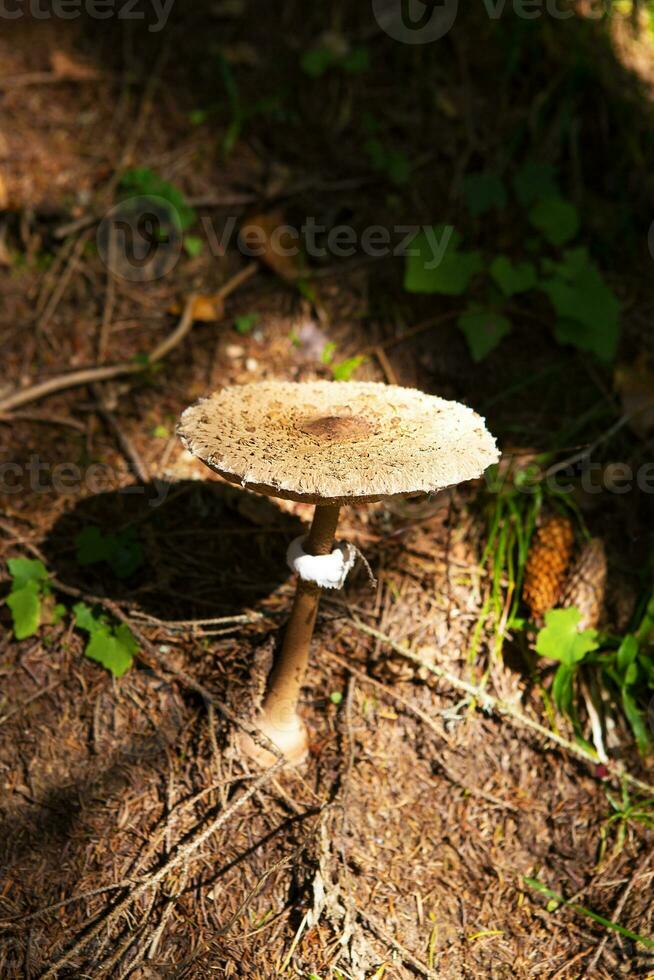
{"x": 499, "y": 707}
{"x": 179, "y": 857}
{"x": 74, "y": 379}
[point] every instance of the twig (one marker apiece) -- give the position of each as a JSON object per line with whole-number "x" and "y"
{"x": 12, "y": 417}
{"x": 126, "y": 445}
{"x": 502, "y": 708}
{"x": 617, "y": 912}
{"x": 62, "y": 283}
{"x": 424, "y": 717}
{"x": 180, "y": 856}
{"x": 406, "y": 955}
{"x": 383, "y": 345}
{"x": 75, "y": 379}
{"x": 20, "y": 707}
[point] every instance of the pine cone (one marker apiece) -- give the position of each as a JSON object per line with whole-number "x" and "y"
{"x": 585, "y": 587}
{"x": 547, "y": 564}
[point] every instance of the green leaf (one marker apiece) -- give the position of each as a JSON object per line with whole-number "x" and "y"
{"x": 25, "y": 605}
{"x": 637, "y": 720}
{"x": 556, "y": 219}
{"x": 393, "y": 163}
{"x": 111, "y": 650}
{"x": 588, "y": 309}
{"x": 243, "y": 324}
{"x": 144, "y": 182}
{"x": 160, "y": 432}
{"x": 336, "y": 697}
{"x": 316, "y": 61}
{"x": 356, "y": 61}
{"x": 122, "y": 552}
{"x": 534, "y": 182}
{"x": 483, "y": 192}
{"x": 450, "y": 273}
{"x": 563, "y": 688}
{"x": 85, "y": 618}
{"x": 483, "y": 331}
{"x": 582, "y": 910}
{"x": 193, "y": 245}
{"x": 627, "y": 653}
{"x": 24, "y": 570}
{"x": 345, "y": 370}
{"x": 58, "y": 613}
{"x": 328, "y": 351}
{"x": 561, "y": 640}
{"x": 93, "y": 546}
{"x": 513, "y": 277}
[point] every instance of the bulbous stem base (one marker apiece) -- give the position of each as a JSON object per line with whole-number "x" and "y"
{"x": 291, "y": 739}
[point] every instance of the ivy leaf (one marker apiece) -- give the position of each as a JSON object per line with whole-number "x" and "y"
{"x": 114, "y": 648}
{"x": 141, "y": 181}
{"x": 85, "y": 618}
{"x": 244, "y": 323}
{"x": 513, "y": 277}
{"x": 25, "y": 605}
{"x": 556, "y": 219}
{"x": 345, "y": 370}
{"x": 316, "y": 61}
{"x": 24, "y": 570}
{"x": 110, "y": 650}
{"x": 93, "y": 546}
{"x": 588, "y": 309}
{"x": 560, "y": 638}
{"x": 356, "y": 61}
{"x": 450, "y": 275}
{"x": 483, "y": 331}
{"x": 122, "y": 552}
{"x": 483, "y": 192}
{"x": 193, "y": 245}
{"x": 535, "y": 181}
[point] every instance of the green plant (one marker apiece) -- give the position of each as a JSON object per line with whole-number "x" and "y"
{"x": 556, "y": 901}
{"x": 512, "y": 508}
{"x": 344, "y": 370}
{"x": 113, "y": 646}
{"x": 145, "y": 183}
{"x": 384, "y": 158}
{"x": 625, "y": 811}
{"x": 622, "y": 665}
{"x": 324, "y": 57}
{"x": 586, "y": 310}
{"x": 122, "y": 552}
{"x": 244, "y": 323}
{"x": 30, "y": 598}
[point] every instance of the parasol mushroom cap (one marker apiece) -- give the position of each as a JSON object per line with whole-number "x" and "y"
{"x": 335, "y": 442}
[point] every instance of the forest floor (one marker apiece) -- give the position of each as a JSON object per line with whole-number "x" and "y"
{"x": 404, "y": 846}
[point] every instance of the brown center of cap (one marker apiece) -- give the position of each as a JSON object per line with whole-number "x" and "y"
{"x": 336, "y": 428}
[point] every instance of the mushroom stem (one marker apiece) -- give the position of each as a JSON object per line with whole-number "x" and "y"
{"x": 279, "y": 711}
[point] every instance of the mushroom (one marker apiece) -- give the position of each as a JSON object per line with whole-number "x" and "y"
{"x": 328, "y": 443}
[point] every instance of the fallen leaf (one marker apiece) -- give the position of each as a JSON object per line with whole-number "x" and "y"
{"x": 270, "y": 239}
{"x": 206, "y": 308}
{"x": 67, "y": 68}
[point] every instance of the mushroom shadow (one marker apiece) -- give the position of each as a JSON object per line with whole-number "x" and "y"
{"x": 182, "y": 550}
